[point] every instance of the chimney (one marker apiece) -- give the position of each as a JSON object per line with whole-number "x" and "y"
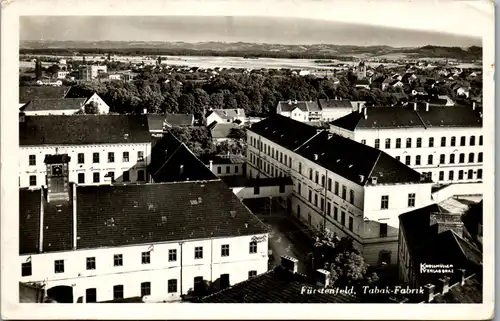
{"x": 74, "y": 217}
{"x": 289, "y": 263}
{"x": 181, "y": 170}
{"x": 429, "y": 292}
{"x": 323, "y": 277}
{"x": 211, "y": 164}
{"x": 315, "y": 157}
{"x": 461, "y": 274}
{"x": 374, "y": 180}
{"x": 445, "y": 284}
{"x": 426, "y": 106}
{"x": 473, "y": 105}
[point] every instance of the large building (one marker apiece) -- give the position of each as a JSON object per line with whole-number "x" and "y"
{"x": 341, "y": 186}
{"x": 98, "y": 147}
{"x": 156, "y": 241}
{"x": 444, "y": 143}
{"x": 91, "y": 72}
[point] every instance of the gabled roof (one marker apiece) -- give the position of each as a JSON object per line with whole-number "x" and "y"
{"x": 228, "y": 113}
{"x": 27, "y": 93}
{"x": 305, "y": 106}
{"x": 406, "y": 117}
{"x": 54, "y": 104}
{"x": 222, "y": 130}
{"x": 275, "y": 286}
{"x": 334, "y": 103}
{"x": 156, "y": 122}
{"x": 179, "y": 119}
{"x": 83, "y": 129}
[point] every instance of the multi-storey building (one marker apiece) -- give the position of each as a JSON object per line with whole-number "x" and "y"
{"x": 99, "y": 148}
{"x": 444, "y": 143}
{"x": 91, "y": 72}
{"x": 109, "y": 242}
{"x": 341, "y": 186}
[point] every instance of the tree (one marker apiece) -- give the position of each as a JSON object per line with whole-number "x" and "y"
{"x": 52, "y": 70}
{"x": 217, "y": 100}
{"x": 91, "y": 108}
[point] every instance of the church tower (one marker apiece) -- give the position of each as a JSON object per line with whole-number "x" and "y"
{"x": 361, "y": 71}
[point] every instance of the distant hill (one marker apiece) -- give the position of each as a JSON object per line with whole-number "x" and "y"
{"x": 254, "y": 50}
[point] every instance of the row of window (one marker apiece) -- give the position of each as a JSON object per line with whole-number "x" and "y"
{"x": 461, "y": 175}
{"x": 442, "y": 159}
{"x": 228, "y": 169}
{"x": 96, "y": 177}
{"x": 96, "y": 158}
{"x": 336, "y": 189}
{"x": 384, "y": 201}
{"x": 336, "y": 216}
{"x": 266, "y": 167}
{"x": 453, "y": 142}
{"x": 145, "y": 258}
{"x": 270, "y": 151}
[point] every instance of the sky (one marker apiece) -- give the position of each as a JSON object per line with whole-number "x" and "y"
{"x": 416, "y": 25}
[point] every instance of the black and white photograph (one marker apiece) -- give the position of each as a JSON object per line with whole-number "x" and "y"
{"x": 194, "y": 153}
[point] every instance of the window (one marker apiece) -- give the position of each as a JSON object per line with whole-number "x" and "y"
{"x": 470, "y": 173}
{"x": 252, "y": 274}
{"x": 384, "y": 202}
{"x": 224, "y": 251}
{"x": 417, "y": 160}
{"x": 118, "y": 292}
{"x": 300, "y": 168}
{"x": 411, "y": 200}
{"x": 299, "y": 188}
{"x": 315, "y": 199}
{"x": 429, "y": 160}
{"x": 26, "y": 269}
{"x": 351, "y": 223}
{"x": 471, "y": 157}
{"x": 328, "y": 209}
{"x": 460, "y": 174}
{"x": 462, "y": 141}
{"x": 140, "y": 176}
{"x": 351, "y": 196}
{"x": 59, "y": 266}
{"x": 479, "y": 174}
{"x": 298, "y": 210}
{"x": 322, "y": 204}
{"x": 125, "y": 157}
{"x": 408, "y": 160}
{"x": 95, "y": 158}
{"x": 398, "y": 158}
{"x": 452, "y": 159}
{"x": 442, "y": 158}
{"x": 224, "y": 281}
{"x": 32, "y": 160}
{"x": 198, "y": 252}
{"x": 81, "y": 178}
{"x": 330, "y": 184}
{"x": 408, "y": 143}
{"x": 335, "y": 213}
{"x": 228, "y": 170}
{"x": 310, "y": 196}
{"x": 282, "y": 189}
{"x": 472, "y": 141}
{"x": 172, "y": 255}
{"x": 337, "y": 188}
{"x": 344, "y": 192}
{"x": 441, "y": 176}
{"x": 91, "y": 295}
{"x": 118, "y": 260}
{"x": 172, "y": 286}
{"x": 480, "y": 157}
{"x": 453, "y": 141}
{"x": 91, "y": 263}
{"x": 431, "y": 141}
{"x": 126, "y": 176}
{"x": 316, "y": 178}
{"x": 363, "y": 141}
{"x": 140, "y": 156}
{"x": 253, "y": 247}
{"x": 219, "y": 169}
{"x": 145, "y": 288}
{"x": 450, "y": 175}
{"x": 481, "y": 140}
{"x": 323, "y": 180}
{"x": 443, "y": 141}
{"x": 32, "y": 180}
{"x": 96, "y": 177}
{"x": 387, "y": 143}
{"x": 383, "y": 229}
{"x": 146, "y": 257}
{"x": 461, "y": 158}
{"x": 377, "y": 143}
{"x": 398, "y": 142}
{"x": 256, "y": 190}
{"x": 236, "y": 169}
{"x": 419, "y": 142}
{"x": 111, "y": 157}
{"x": 310, "y": 174}
{"x": 342, "y": 218}
{"x": 81, "y": 158}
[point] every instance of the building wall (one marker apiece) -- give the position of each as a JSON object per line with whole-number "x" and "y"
{"x": 101, "y": 105}
{"x": 239, "y": 262}
{"x": 51, "y": 112}
{"x": 261, "y": 192}
{"x": 330, "y": 114}
{"x": 88, "y": 167}
{"x": 227, "y": 169}
{"x": 459, "y": 189}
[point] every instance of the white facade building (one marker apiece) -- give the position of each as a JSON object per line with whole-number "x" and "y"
{"x": 101, "y": 104}
{"x": 91, "y": 72}
{"x": 444, "y": 143}
{"x": 116, "y": 146}
{"x": 226, "y": 116}
{"x": 161, "y": 258}
{"x": 365, "y": 189}
{"x": 320, "y": 110}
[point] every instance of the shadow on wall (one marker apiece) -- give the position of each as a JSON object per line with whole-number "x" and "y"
{"x": 204, "y": 288}
{"x": 59, "y": 294}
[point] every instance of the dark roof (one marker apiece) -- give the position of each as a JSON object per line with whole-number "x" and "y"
{"x": 287, "y": 106}
{"x": 161, "y": 151}
{"x": 29, "y": 220}
{"x": 134, "y": 214}
{"x": 284, "y": 131}
{"x": 361, "y": 82}
{"x": 275, "y": 286}
{"x": 241, "y": 181}
{"x": 156, "y": 122}
{"x": 228, "y": 113}
{"x": 224, "y": 159}
{"x": 83, "y": 129}
{"x": 222, "y": 130}
{"x": 77, "y": 92}
{"x": 27, "y": 93}
{"x": 58, "y": 225}
{"x": 333, "y": 103}
{"x": 179, "y": 119}
{"x": 470, "y": 292}
{"x": 57, "y": 159}
{"x": 406, "y": 117}
{"x": 50, "y": 104}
